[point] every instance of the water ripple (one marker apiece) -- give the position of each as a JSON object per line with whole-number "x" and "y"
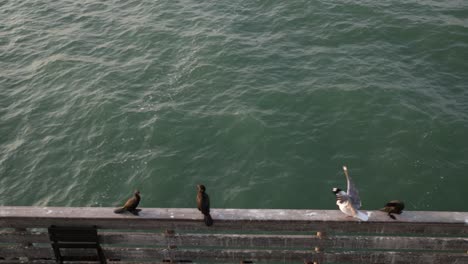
{"x": 261, "y": 102}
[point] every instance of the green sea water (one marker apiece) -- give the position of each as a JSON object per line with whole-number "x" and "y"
{"x": 261, "y": 101}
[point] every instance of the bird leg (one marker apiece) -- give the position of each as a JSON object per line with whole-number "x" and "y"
{"x": 135, "y": 211}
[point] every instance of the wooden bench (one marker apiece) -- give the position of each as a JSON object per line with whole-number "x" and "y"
{"x": 74, "y": 237}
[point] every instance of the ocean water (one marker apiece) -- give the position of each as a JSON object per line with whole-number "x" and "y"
{"x": 261, "y": 101}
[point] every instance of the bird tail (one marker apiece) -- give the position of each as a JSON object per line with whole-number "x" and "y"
{"x": 208, "y": 220}
{"x": 362, "y": 216}
{"x": 120, "y": 210}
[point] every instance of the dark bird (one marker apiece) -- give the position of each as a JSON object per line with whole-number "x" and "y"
{"x": 393, "y": 207}
{"x": 349, "y": 201}
{"x": 131, "y": 205}
{"x": 203, "y": 204}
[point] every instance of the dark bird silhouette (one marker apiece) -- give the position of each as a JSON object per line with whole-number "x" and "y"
{"x": 393, "y": 207}
{"x": 203, "y": 204}
{"x": 131, "y": 205}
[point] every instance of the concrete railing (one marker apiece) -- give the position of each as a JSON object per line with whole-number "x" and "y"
{"x": 160, "y": 235}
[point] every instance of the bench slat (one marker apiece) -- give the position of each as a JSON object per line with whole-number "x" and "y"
{"x": 256, "y": 255}
{"x": 270, "y": 241}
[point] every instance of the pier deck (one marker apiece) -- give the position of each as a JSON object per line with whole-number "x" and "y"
{"x": 160, "y": 235}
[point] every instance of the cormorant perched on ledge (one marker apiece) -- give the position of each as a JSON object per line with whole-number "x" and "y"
{"x": 131, "y": 205}
{"x": 203, "y": 204}
{"x": 393, "y": 207}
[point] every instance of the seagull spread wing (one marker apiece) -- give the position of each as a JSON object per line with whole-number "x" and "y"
{"x": 352, "y": 191}
{"x": 342, "y": 197}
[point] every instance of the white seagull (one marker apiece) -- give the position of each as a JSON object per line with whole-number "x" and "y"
{"x": 349, "y": 202}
